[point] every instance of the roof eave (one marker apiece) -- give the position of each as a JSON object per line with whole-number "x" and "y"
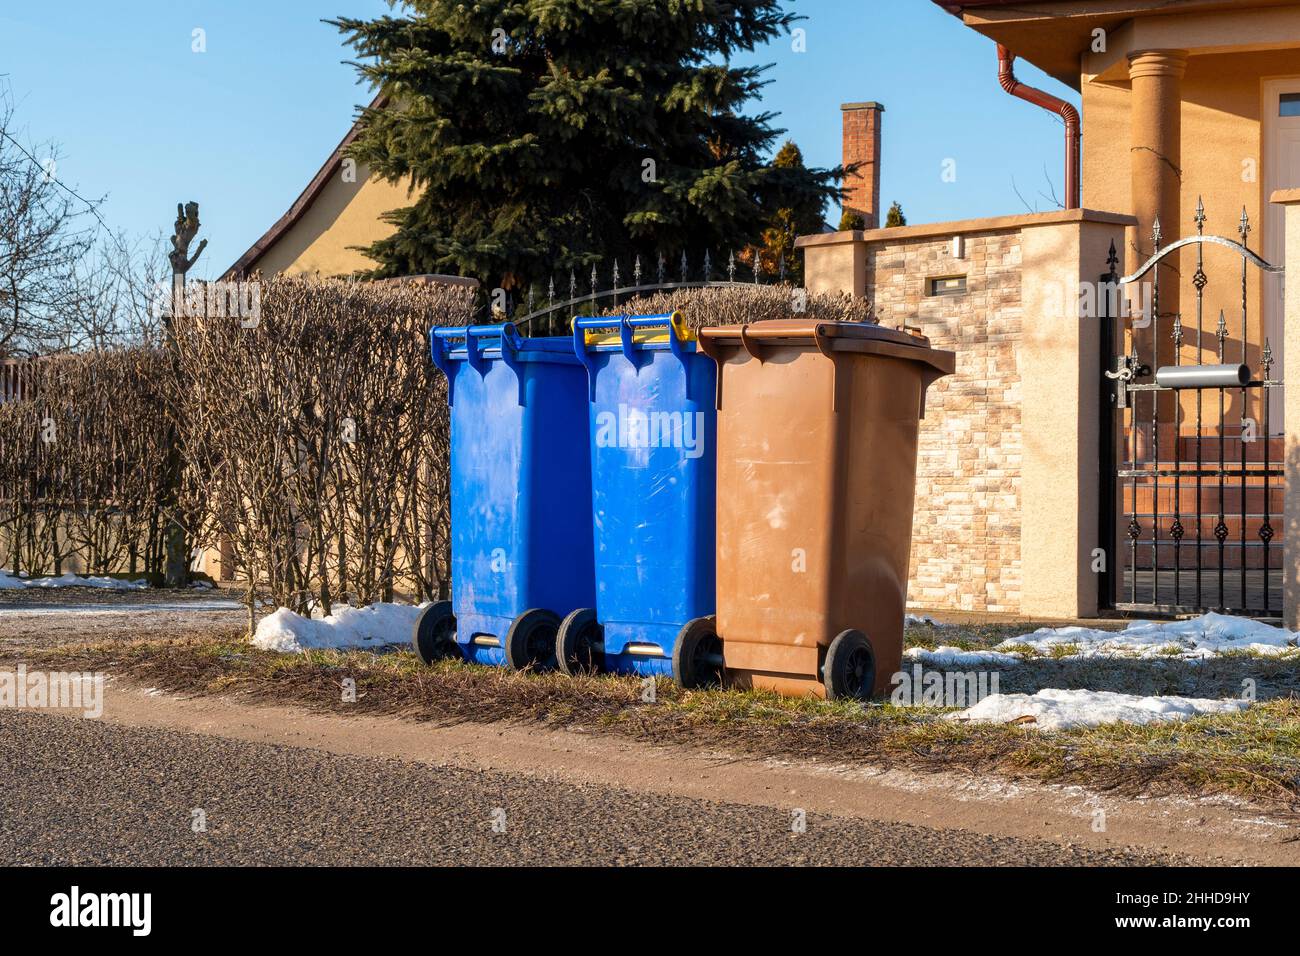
{"x": 244, "y": 264}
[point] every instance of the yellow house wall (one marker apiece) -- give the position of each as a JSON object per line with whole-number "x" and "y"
{"x": 1222, "y": 163}
{"x": 344, "y": 215}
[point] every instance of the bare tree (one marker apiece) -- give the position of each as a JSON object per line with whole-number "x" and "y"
{"x": 45, "y": 231}
{"x": 117, "y": 294}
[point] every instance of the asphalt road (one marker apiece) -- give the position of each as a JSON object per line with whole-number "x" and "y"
{"x": 76, "y": 791}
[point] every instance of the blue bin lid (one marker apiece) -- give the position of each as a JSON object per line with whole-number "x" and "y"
{"x": 453, "y": 344}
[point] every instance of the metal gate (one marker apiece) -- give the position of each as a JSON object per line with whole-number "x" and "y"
{"x": 1192, "y": 519}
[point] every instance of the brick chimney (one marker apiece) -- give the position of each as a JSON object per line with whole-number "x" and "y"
{"x": 862, "y": 145}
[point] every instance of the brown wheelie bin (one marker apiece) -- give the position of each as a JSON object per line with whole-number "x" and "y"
{"x": 817, "y": 426}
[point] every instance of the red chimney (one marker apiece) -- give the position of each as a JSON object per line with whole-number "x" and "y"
{"x": 862, "y": 146}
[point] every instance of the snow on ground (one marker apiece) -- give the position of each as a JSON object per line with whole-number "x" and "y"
{"x": 1209, "y": 635}
{"x": 1206, "y": 636}
{"x": 377, "y": 625}
{"x": 10, "y": 583}
{"x": 1066, "y": 709}
{"x": 945, "y": 656}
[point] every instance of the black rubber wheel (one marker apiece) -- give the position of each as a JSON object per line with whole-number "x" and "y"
{"x": 530, "y": 642}
{"x": 434, "y": 636}
{"x": 697, "y": 654}
{"x": 580, "y": 643}
{"x": 849, "y": 671}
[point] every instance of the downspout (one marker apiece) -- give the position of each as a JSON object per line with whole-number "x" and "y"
{"x": 1007, "y": 77}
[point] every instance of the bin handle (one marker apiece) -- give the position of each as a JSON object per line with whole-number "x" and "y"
{"x": 580, "y": 327}
{"x": 749, "y": 344}
{"x": 509, "y": 340}
{"x": 824, "y": 346}
{"x": 627, "y": 326}
{"x": 752, "y": 342}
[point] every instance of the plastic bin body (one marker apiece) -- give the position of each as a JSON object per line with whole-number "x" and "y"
{"x": 817, "y": 448}
{"x": 521, "y": 533}
{"x": 653, "y": 477}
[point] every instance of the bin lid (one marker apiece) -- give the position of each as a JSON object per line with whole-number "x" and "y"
{"x": 835, "y": 336}
{"x": 557, "y": 348}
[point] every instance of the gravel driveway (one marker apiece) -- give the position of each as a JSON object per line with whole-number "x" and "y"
{"x": 45, "y": 616}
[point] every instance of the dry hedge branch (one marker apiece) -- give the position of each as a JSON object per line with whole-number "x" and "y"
{"x": 307, "y": 437}
{"x": 81, "y": 463}
{"x": 734, "y": 305}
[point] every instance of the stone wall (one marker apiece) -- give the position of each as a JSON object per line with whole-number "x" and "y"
{"x": 966, "y": 538}
{"x": 1007, "y": 503}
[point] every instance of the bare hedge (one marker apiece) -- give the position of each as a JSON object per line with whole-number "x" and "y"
{"x": 316, "y": 441}
{"x": 734, "y": 305}
{"x": 82, "y": 464}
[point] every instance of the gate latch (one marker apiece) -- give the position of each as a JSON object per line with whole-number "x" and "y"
{"x": 1127, "y": 368}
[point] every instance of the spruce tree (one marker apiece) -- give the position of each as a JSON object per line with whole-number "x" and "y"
{"x": 798, "y": 213}
{"x": 540, "y": 135}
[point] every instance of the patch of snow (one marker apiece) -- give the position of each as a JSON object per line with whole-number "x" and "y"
{"x": 1206, "y": 636}
{"x": 945, "y": 656}
{"x": 1065, "y": 709}
{"x": 377, "y": 625}
{"x": 10, "y": 583}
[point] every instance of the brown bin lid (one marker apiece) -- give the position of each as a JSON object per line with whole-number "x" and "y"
{"x": 837, "y": 336}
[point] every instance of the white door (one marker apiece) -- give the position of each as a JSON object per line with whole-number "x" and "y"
{"x": 1281, "y": 171}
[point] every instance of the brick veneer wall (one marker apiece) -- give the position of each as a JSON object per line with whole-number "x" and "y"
{"x": 966, "y": 534}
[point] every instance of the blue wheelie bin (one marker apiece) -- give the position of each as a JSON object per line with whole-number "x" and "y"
{"x": 653, "y": 477}
{"x": 521, "y": 534}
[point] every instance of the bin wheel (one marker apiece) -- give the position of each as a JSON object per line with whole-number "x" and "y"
{"x": 530, "y": 642}
{"x": 433, "y": 638}
{"x": 697, "y": 654}
{"x": 580, "y": 643}
{"x": 849, "y": 671}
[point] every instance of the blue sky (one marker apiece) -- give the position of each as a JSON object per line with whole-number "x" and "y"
{"x": 144, "y": 121}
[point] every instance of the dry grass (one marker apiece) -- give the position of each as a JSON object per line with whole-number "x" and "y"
{"x": 1254, "y": 755}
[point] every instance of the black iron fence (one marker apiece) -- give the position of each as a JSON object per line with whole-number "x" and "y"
{"x": 545, "y": 307}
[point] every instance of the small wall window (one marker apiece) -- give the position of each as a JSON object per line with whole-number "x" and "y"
{"x": 1290, "y": 105}
{"x": 948, "y": 285}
